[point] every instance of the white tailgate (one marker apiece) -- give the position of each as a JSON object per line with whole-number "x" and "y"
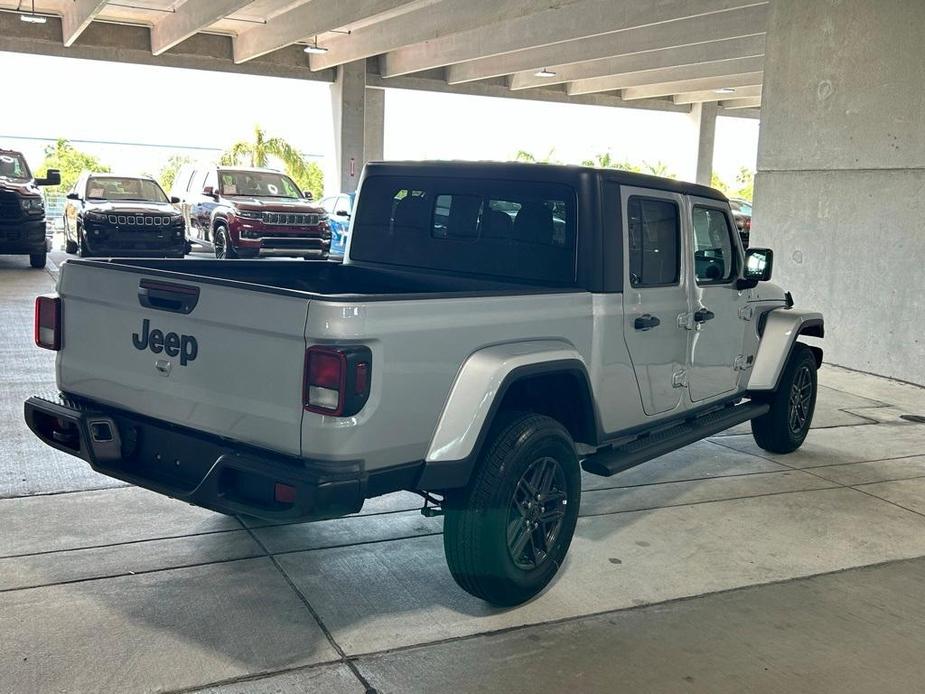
{"x": 245, "y": 382}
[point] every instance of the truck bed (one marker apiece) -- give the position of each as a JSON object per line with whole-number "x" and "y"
{"x": 321, "y": 279}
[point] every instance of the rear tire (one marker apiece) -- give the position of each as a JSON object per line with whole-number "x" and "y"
{"x": 38, "y": 260}
{"x": 784, "y": 428}
{"x": 70, "y": 247}
{"x": 506, "y": 534}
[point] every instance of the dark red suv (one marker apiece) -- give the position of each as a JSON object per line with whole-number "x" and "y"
{"x": 250, "y": 213}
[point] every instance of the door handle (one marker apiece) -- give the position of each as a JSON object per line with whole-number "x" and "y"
{"x": 646, "y": 322}
{"x": 703, "y": 315}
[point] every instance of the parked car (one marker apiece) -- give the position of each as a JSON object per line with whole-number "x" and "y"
{"x": 339, "y": 209}
{"x": 22, "y": 209}
{"x": 112, "y": 215}
{"x": 250, "y": 213}
{"x": 742, "y": 212}
{"x": 481, "y": 367}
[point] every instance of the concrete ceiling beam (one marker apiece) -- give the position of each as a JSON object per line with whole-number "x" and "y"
{"x": 712, "y": 95}
{"x": 720, "y": 68}
{"x": 653, "y": 91}
{"x": 77, "y": 16}
{"x": 695, "y": 54}
{"x": 190, "y": 18}
{"x": 746, "y": 21}
{"x": 307, "y": 20}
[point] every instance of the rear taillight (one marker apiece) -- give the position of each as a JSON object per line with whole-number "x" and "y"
{"x": 48, "y": 322}
{"x": 337, "y": 380}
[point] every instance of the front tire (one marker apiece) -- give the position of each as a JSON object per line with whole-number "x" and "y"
{"x": 221, "y": 244}
{"x": 38, "y": 260}
{"x": 82, "y": 249}
{"x": 506, "y": 534}
{"x": 784, "y": 428}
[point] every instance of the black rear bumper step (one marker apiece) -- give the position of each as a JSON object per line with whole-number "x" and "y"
{"x": 610, "y": 461}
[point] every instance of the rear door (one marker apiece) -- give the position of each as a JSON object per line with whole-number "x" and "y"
{"x": 718, "y": 329}
{"x": 232, "y": 366}
{"x": 655, "y": 294}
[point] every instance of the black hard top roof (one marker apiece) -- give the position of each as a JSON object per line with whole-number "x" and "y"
{"x": 523, "y": 171}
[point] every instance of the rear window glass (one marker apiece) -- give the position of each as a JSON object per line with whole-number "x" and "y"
{"x": 507, "y": 229}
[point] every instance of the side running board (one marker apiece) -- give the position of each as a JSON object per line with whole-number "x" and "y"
{"x": 610, "y": 461}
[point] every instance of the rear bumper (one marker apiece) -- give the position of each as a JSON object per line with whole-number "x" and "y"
{"x": 197, "y": 468}
{"x": 24, "y": 237}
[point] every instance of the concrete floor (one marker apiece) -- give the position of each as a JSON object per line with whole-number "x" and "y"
{"x": 717, "y": 568}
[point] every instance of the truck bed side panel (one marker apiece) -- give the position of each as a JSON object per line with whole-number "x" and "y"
{"x": 418, "y": 348}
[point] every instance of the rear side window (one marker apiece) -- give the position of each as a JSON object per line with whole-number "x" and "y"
{"x": 654, "y": 231}
{"x": 507, "y": 229}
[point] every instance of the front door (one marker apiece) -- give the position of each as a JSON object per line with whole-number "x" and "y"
{"x": 716, "y": 324}
{"x": 655, "y": 295}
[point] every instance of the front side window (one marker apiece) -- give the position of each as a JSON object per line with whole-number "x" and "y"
{"x": 654, "y": 232}
{"x": 123, "y": 188}
{"x": 714, "y": 251}
{"x": 260, "y": 184}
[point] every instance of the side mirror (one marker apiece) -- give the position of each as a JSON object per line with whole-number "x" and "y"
{"x": 342, "y": 213}
{"x": 73, "y": 196}
{"x": 209, "y": 191}
{"x": 52, "y": 178}
{"x": 307, "y": 194}
{"x": 758, "y": 265}
{"x": 174, "y": 200}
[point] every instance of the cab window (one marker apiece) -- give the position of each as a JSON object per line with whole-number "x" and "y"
{"x": 714, "y": 250}
{"x": 654, "y": 232}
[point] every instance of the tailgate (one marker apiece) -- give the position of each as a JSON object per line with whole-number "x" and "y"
{"x": 231, "y": 366}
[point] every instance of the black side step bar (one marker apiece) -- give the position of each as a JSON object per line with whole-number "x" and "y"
{"x": 610, "y": 461}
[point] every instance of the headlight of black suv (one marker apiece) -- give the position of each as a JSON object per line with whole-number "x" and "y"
{"x": 32, "y": 205}
{"x": 95, "y": 217}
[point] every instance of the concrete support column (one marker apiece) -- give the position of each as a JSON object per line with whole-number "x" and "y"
{"x": 375, "y": 124}
{"x": 349, "y": 110}
{"x": 840, "y": 193}
{"x": 705, "y": 116}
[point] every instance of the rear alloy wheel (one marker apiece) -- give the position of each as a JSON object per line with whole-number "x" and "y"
{"x": 221, "y": 244}
{"x": 38, "y": 260}
{"x": 506, "y": 534}
{"x": 784, "y": 428}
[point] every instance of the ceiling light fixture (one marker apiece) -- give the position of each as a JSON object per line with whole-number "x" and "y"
{"x": 32, "y": 18}
{"x": 315, "y": 48}
{"x": 725, "y": 90}
{"x": 545, "y": 72}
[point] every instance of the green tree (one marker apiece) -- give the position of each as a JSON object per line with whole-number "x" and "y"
{"x": 170, "y": 170}
{"x": 607, "y": 161}
{"x": 746, "y": 180}
{"x": 70, "y": 161}
{"x": 659, "y": 168}
{"x": 260, "y": 151}
{"x": 524, "y": 155}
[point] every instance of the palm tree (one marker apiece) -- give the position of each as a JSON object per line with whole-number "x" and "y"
{"x": 262, "y": 149}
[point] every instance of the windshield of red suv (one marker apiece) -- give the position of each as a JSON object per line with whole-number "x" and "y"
{"x": 13, "y": 166}
{"x": 259, "y": 184}
{"x": 117, "y": 188}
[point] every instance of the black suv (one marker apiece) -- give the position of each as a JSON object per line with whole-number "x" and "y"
{"x": 122, "y": 216}
{"x": 22, "y": 209}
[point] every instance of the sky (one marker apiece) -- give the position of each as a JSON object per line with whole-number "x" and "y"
{"x": 148, "y": 113}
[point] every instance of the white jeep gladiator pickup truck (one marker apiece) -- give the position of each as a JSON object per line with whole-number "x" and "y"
{"x": 493, "y": 329}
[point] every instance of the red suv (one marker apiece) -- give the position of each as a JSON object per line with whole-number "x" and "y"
{"x": 250, "y": 213}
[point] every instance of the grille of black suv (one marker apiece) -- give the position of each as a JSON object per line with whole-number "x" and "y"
{"x": 139, "y": 220}
{"x": 10, "y": 208}
{"x": 289, "y": 219}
